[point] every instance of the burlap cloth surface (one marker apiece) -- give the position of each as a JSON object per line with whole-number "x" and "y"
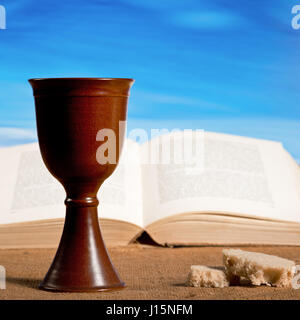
{"x": 149, "y": 272}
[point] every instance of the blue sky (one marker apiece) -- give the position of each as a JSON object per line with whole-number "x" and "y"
{"x": 219, "y": 65}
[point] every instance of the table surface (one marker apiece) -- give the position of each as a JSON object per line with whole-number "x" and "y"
{"x": 149, "y": 272}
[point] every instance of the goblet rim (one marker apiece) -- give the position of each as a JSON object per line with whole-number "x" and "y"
{"x": 80, "y": 79}
{"x": 73, "y": 87}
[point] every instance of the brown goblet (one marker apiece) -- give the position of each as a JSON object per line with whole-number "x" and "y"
{"x": 69, "y": 114}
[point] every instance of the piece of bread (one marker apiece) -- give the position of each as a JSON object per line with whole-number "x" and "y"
{"x": 208, "y": 277}
{"x": 258, "y": 268}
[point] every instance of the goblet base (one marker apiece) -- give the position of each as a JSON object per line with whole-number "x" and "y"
{"x": 81, "y": 263}
{"x": 45, "y": 287}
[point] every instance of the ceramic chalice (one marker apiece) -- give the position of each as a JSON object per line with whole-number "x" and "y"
{"x": 69, "y": 114}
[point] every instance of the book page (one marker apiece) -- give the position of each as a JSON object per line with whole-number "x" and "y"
{"x": 29, "y": 192}
{"x": 241, "y": 176}
{"x": 120, "y": 195}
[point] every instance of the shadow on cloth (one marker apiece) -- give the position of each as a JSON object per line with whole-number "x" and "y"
{"x": 29, "y": 283}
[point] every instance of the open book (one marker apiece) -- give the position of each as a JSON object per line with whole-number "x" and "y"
{"x": 248, "y": 192}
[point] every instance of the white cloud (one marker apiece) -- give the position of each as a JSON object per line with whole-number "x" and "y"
{"x": 13, "y": 136}
{"x": 180, "y": 100}
{"x": 206, "y": 19}
{"x": 163, "y": 5}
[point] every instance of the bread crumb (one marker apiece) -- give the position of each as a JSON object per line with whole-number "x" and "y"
{"x": 258, "y": 268}
{"x": 208, "y": 277}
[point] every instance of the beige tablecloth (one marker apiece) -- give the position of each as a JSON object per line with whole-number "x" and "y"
{"x": 149, "y": 272}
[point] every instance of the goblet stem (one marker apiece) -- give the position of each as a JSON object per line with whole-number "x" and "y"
{"x": 82, "y": 262}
